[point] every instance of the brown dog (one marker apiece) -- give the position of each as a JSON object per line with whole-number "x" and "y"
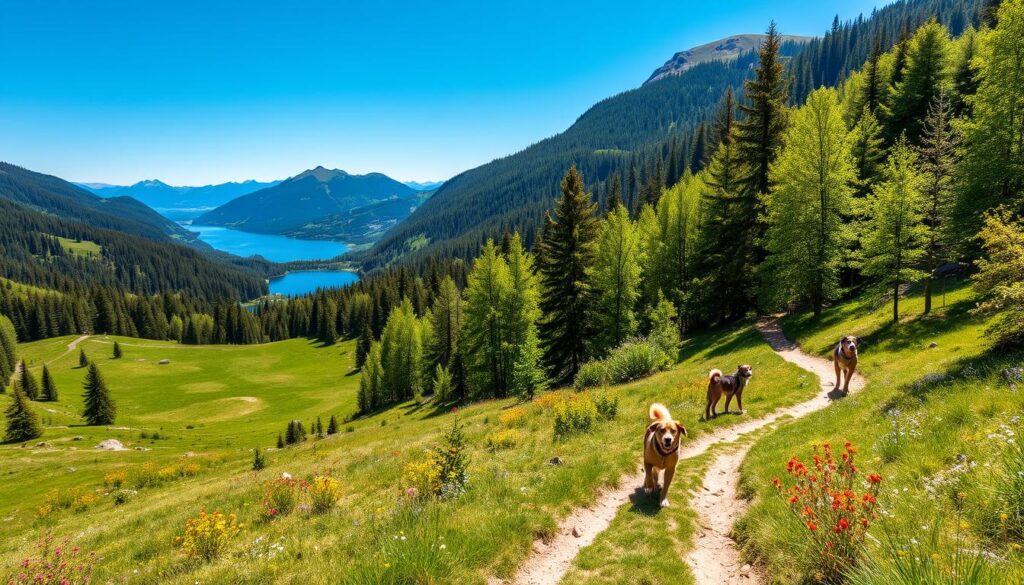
{"x": 844, "y": 357}
{"x": 733, "y": 385}
{"x": 661, "y": 450}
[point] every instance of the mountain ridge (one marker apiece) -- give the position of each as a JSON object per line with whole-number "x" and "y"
{"x": 725, "y": 49}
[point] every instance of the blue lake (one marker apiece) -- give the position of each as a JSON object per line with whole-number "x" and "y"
{"x": 282, "y": 249}
{"x": 305, "y": 281}
{"x": 273, "y": 248}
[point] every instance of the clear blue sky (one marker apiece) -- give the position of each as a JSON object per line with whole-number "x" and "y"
{"x": 202, "y": 92}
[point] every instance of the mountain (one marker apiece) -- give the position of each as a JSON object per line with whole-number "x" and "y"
{"x": 425, "y": 186}
{"x": 726, "y": 49}
{"x": 362, "y": 225}
{"x": 58, "y": 197}
{"x": 316, "y": 203}
{"x": 179, "y": 203}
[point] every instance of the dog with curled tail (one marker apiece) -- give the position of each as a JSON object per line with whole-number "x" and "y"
{"x": 719, "y": 384}
{"x": 661, "y": 450}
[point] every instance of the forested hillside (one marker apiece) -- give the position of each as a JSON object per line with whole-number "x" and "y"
{"x": 643, "y": 139}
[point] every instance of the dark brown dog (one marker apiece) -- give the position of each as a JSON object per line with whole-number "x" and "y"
{"x": 661, "y": 450}
{"x": 733, "y": 385}
{"x": 844, "y": 357}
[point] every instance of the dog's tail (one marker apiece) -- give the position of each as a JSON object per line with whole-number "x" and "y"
{"x": 714, "y": 375}
{"x": 659, "y": 412}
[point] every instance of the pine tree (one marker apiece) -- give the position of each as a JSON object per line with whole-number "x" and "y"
{"x": 965, "y": 75}
{"x": 401, "y": 355}
{"x": 617, "y": 277}
{"x": 280, "y": 441}
{"x": 29, "y": 384}
{"x": 872, "y": 91}
{"x": 22, "y": 423}
{"x": 759, "y": 135}
{"x": 893, "y": 245}
{"x": 370, "y": 395}
{"x": 614, "y": 193}
{"x": 332, "y": 426}
{"x": 812, "y": 183}
{"x": 363, "y": 345}
{"x": 520, "y": 313}
{"x": 318, "y": 428}
{"x": 99, "y": 407}
{"x": 258, "y": 460}
{"x": 117, "y": 351}
{"x": 924, "y": 75}
{"x": 565, "y": 255}
{"x": 868, "y": 152}
{"x": 83, "y": 361}
{"x": 937, "y": 155}
{"x": 49, "y": 390}
{"x": 447, "y": 321}
{"x": 484, "y": 334}
{"x": 8, "y": 351}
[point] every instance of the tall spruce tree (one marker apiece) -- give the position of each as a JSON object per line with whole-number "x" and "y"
{"x": 99, "y": 406}
{"x": 812, "y": 183}
{"x": 332, "y": 426}
{"x": 868, "y": 152}
{"x": 83, "y": 360}
{"x": 371, "y": 380}
{"x": 926, "y": 72}
{"x": 401, "y": 355}
{"x": 614, "y": 193}
{"x": 117, "y": 351}
{"x": 49, "y": 390}
{"x": 937, "y": 155}
{"x": 617, "y": 278}
{"x": 29, "y": 384}
{"x": 893, "y": 246}
{"x": 520, "y": 313}
{"x": 22, "y": 422}
{"x": 364, "y": 342}
{"x": 565, "y": 256}
{"x": 8, "y": 351}
{"x": 484, "y": 335}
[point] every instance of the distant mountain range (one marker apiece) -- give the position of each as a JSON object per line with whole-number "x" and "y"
{"x": 425, "y": 186}
{"x": 321, "y": 203}
{"x": 178, "y": 203}
{"x": 726, "y": 49}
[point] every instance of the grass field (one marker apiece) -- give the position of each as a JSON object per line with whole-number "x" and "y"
{"x": 938, "y": 421}
{"x": 83, "y": 248}
{"x": 235, "y": 398}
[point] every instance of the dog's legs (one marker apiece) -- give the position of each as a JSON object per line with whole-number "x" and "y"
{"x": 649, "y": 481}
{"x": 838, "y": 372}
{"x": 728, "y": 399}
{"x": 739, "y": 400}
{"x": 846, "y": 386}
{"x": 714, "y": 405}
{"x": 666, "y": 482}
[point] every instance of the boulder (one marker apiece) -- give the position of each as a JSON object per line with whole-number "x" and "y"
{"x": 164, "y": 362}
{"x": 111, "y": 445}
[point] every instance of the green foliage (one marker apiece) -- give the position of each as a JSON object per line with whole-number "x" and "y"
{"x": 29, "y": 384}
{"x": 8, "y": 351}
{"x": 452, "y": 461}
{"x": 607, "y": 404}
{"x": 635, "y": 359}
{"x": 593, "y": 374}
{"x": 49, "y": 390}
{"x": 671, "y": 265}
{"x": 332, "y": 426}
{"x": 893, "y": 246}
{"x": 812, "y": 183}
{"x": 294, "y": 433}
{"x": 401, "y": 355}
{"x": 937, "y": 153}
{"x": 576, "y": 414}
{"x": 565, "y": 255}
{"x": 117, "y": 351}
{"x": 22, "y": 423}
{"x": 924, "y": 75}
{"x": 1000, "y": 277}
{"x": 99, "y": 406}
{"x": 259, "y": 461}
{"x": 664, "y": 332}
{"x": 616, "y": 277}
{"x": 759, "y": 133}
{"x": 83, "y": 360}
{"x": 371, "y": 382}
{"x": 447, "y": 323}
{"x": 363, "y": 346}
{"x": 443, "y": 387}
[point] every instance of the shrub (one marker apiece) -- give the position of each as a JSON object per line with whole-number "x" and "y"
{"x": 207, "y": 535}
{"x": 504, "y": 439}
{"x": 576, "y": 414}
{"x": 258, "y": 459}
{"x": 83, "y": 502}
{"x": 324, "y": 492}
{"x": 60, "y": 564}
{"x": 635, "y": 359}
{"x": 422, "y": 478}
{"x": 513, "y": 417}
{"x": 835, "y": 518}
{"x": 123, "y": 496}
{"x": 592, "y": 374}
{"x": 115, "y": 479}
{"x": 607, "y": 404}
{"x": 550, "y": 400}
{"x": 452, "y": 461}
{"x": 62, "y": 499}
{"x": 281, "y": 495}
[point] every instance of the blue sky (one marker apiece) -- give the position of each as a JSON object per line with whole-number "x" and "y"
{"x": 206, "y": 92}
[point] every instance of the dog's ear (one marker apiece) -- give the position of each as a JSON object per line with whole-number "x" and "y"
{"x": 682, "y": 429}
{"x": 856, "y": 341}
{"x": 653, "y": 426}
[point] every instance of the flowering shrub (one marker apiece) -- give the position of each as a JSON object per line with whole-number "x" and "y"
{"x": 575, "y": 415}
{"x": 422, "y": 478}
{"x": 324, "y": 492}
{"x": 207, "y": 535}
{"x": 442, "y": 473}
{"x": 504, "y": 439}
{"x": 83, "y": 502}
{"x": 549, "y": 400}
{"x": 281, "y": 495}
{"x": 834, "y": 516}
{"x": 115, "y": 479}
{"x": 513, "y": 417}
{"x": 60, "y": 564}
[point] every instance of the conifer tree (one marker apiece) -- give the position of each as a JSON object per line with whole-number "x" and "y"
{"x": 99, "y": 407}
{"x": 759, "y": 135}
{"x": 617, "y": 277}
{"x": 49, "y": 391}
{"x": 370, "y": 395}
{"x": 83, "y": 361}
{"x": 926, "y": 71}
{"x": 565, "y": 255}
{"x": 280, "y": 441}
{"x": 363, "y": 345}
{"x": 319, "y": 428}
{"x": 811, "y": 186}
{"x": 678, "y": 229}
{"x": 868, "y": 152}
{"x": 8, "y": 351}
{"x": 22, "y": 423}
{"x": 937, "y": 155}
{"x": 401, "y": 355}
{"x": 520, "y": 313}
{"x": 872, "y": 91}
{"x": 893, "y": 244}
{"x": 258, "y": 459}
{"x": 29, "y": 384}
{"x": 447, "y": 321}
{"x": 117, "y": 351}
{"x": 614, "y": 193}
{"x": 484, "y": 335}
{"x": 965, "y": 75}
{"x": 442, "y": 384}
{"x": 332, "y": 426}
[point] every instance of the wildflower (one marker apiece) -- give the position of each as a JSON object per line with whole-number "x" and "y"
{"x": 842, "y": 525}
{"x": 875, "y": 479}
{"x": 812, "y": 526}
{"x": 935, "y": 556}
{"x": 1003, "y": 517}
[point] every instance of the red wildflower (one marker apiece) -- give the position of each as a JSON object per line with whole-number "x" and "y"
{"x": 875, "y": 478}
{"x": 812, "y": 526}
{"x": 842, "y": 525}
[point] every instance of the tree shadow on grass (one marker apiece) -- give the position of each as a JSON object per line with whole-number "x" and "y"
{"x": 727, "y": 341}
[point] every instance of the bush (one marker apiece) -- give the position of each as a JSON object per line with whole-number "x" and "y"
{"x": 607, "y": 404}
{"x": 635, "y": 359}
{"x": 442, "y": 474}
{"x": 576, "y": 414}
{"x": 324, "y": 492}
{"x": 592, "y": 374}
{"x": 504, "y": 439}
{"x": 115, "y": 479}
{"x": 281, "y": 495}
{"x": 123, "y": 496}
{"x": 835, "y": 518}
{"x": 63, "y": 564}
{"x": 422, "y": 478}
{"x": 513, "y": 417}
{"x": 207, "y": 535}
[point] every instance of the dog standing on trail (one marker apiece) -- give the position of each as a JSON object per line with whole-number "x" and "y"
{"x": 719, "y": 384}
{"x": 661, "y": 450}
{"x": 844, "y": 357}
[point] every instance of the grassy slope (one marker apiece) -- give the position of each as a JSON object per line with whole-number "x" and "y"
{"x": 913, "y": 435}
{"x": 514, "y": 494}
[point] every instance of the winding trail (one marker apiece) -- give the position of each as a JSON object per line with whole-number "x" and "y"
{"x": 715, "y": 558}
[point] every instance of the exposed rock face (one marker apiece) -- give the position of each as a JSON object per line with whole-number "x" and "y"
{"x": 721, "y": 50}
{"x": 111, "y": 445}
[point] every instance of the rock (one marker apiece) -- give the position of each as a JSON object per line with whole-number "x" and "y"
{"x": 576, "y": 532}
{"x": 72, "y": 469}
{"x": 189, "y": 454}
{"x": 164, "y": 362}
{"x": 933, "y": 345}
{"x": 556, "y": 461}
{"x": 745, "y": 568}
{"x": 111, "y": 445}
{"x": 42, "y": 444}
{"x": 285, "y": 475}
{"x": 78, "y": 438}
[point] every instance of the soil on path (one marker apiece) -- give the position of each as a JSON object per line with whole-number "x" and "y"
{"x": 715, "y": 557}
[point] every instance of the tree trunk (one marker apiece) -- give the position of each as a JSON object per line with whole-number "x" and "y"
{"x": 928, "y": 294}
{"x": 896, "y": 304}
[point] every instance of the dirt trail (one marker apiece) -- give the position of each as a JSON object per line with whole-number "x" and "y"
{"x": 715, "y": 557}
